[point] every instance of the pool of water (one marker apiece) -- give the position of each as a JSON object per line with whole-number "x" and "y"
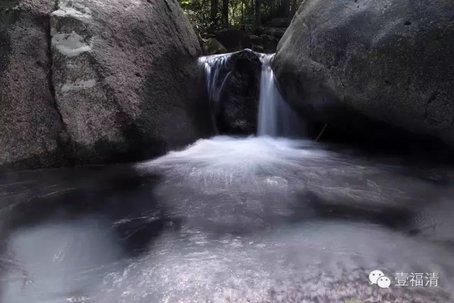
{"x": 229, "y": 220}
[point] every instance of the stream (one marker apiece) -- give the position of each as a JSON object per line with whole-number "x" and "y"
{"x": 227, "y": 220}
{"x": 230, "y": 219}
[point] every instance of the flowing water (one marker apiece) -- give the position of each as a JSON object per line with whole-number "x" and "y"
{"x": 253, "y": 219}
{"x": 213, "y": 77}
{"x": 227, "y": 220}
{"x": 276, "y": 117}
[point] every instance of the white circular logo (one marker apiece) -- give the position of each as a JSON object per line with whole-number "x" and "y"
{"x": 374, "y": 275}
{"x": 378, "y": 277}
{"x": 384, "y": 282}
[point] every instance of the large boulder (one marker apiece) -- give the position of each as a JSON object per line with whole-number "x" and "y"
{"x": 239, "y": 100}
{"x": 370, "y": 68}
{"x": 212, "y": 46}
{"x": 234, "y": 91}
{"x": 30, "y": 124}
{"x": 97, "y": 81}
{"x": 233, "y": 39}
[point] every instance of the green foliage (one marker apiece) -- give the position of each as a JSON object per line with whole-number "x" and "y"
{"x": 241, "y": 13}
{"x": 198, "y": 13}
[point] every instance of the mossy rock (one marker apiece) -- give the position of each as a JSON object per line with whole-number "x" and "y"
{"x": 212, "y": 46}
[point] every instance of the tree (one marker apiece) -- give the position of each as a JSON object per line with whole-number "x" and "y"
{"x": 211, "y": 16}
{"x": 214, "y": 12}
{"x": 258, "y": 16}
{"x": 225, "y": 13}
{"x": 285, "y": 8}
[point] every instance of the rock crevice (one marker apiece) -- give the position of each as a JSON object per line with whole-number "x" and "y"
{"x": 50, "y": 74}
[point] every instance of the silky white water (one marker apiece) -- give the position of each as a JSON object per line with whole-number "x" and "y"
{"x": 251, "y": 220}
{"x": 229, "y": 219}
{"x": 275, "y": 117}
{"x": 214, "y": 80}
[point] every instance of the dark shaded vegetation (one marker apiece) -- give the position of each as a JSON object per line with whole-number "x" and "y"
{"x": 228, "y": 25}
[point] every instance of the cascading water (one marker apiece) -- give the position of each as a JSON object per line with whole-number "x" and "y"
{"x": 214, "y": 77}
{"x": 275, "y": 117}
{"x": 256, "y": 219}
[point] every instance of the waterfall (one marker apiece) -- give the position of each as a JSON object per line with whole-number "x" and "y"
{"x": 215, "y": 75}
{"x": 275, "y": 117}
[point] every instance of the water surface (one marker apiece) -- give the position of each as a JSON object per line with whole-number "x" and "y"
{"x": 228, "y": 220}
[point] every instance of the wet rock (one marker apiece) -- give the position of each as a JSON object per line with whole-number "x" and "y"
{"x": 234, "y": 90}
{"x": 239, "y": 103}
{"x": 371, "y": 69}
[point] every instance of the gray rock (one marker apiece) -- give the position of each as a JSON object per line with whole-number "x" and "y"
{"x": 240, "y": 99}
{"x": 235, "y": 91}
{"x": 359, "y": 63}
{"x": 30, "y": 125}
{"x": 116, "y": 81}
{"x": 212, "y": 46}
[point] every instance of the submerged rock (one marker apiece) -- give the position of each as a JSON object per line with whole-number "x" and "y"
{"x": 372, "y": 69}
{"x": 95, "y": 82}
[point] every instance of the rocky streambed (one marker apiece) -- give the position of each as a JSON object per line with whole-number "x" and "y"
{"x": 229, "y": 220}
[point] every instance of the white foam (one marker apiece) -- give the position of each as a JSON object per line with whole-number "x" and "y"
{"x": 228, "y": 158}
{"x": 275, "y": 117}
